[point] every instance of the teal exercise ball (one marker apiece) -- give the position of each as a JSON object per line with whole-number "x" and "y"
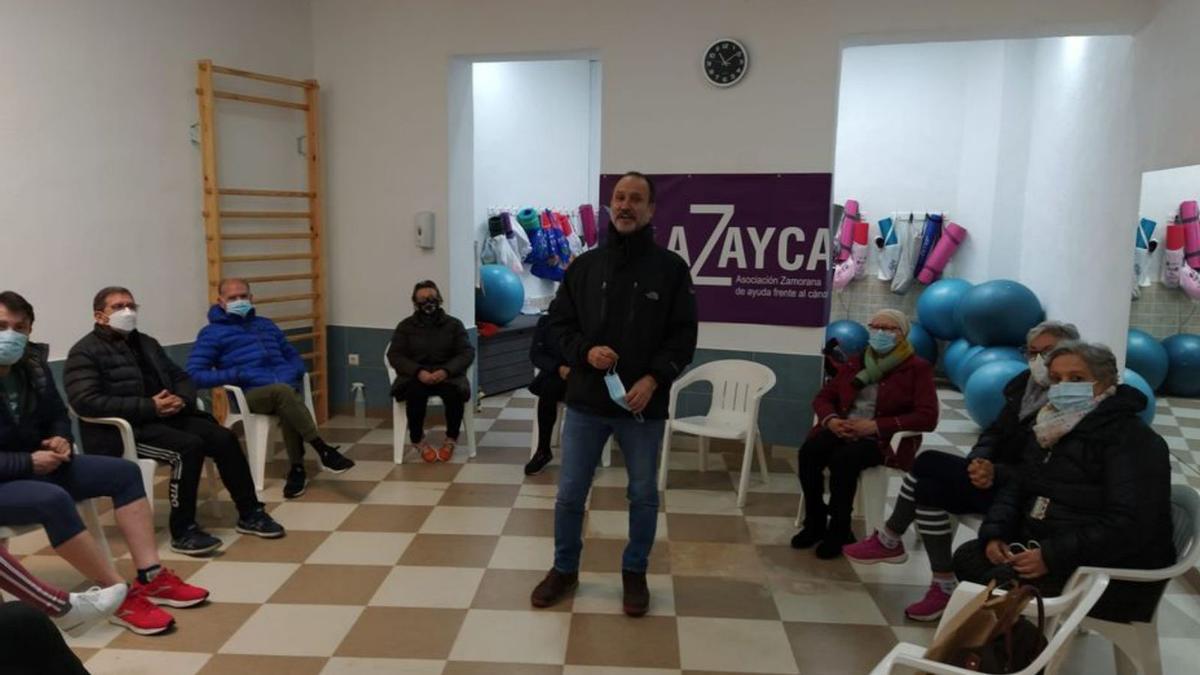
{"x": 500, "y": 296}
{"x": 1147, "y": 357}
{"x": 852, "y": 336}
{"x": 985, "y": 390}
{"x": 998, "y": 312}
{"x": 1138, "y": 382}
{"x": 936, "y": 307}
{"x": 952, "y": 357}
{"x": 956, "y": 375}
{"x": 923, "y": 343}
{"x": 985, "y": 356}
{"x": 1183, "y": 371}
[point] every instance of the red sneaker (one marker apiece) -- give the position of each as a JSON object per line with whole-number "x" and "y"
{"x": 140, "y": 615}
{"x": 168, "y": 589}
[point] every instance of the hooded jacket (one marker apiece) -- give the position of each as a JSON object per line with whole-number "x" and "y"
{"x": 430, "y": 342}
{"x": 1103, "y": 499}
{"x": 42, "y": 415}
{"x": 248, "y": 352}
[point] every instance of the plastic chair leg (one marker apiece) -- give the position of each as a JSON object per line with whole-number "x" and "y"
{"x": 399, "y": 431}
{"x": 606, "y": 454}
{"x": 747, "y": 467}
{"x": 469, "y": 423}
{"x": 91, "y": 518}
{"x": 873, "y": 488}
{"x": 146, "y": 466}
{"x": 663, "y": 460}
{"x": 762, "y": 456}
{"x": 1135, "y": 645}
{"x": 702, "y": 445}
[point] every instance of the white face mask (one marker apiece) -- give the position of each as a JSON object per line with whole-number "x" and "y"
{"x": 123, "y": 320}
{"x": 1039, "y": 371}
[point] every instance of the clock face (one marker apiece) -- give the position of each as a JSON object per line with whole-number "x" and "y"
{"x": 725, "y": 62}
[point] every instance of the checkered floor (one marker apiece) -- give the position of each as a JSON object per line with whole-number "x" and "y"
{"x": 427, "y": 569}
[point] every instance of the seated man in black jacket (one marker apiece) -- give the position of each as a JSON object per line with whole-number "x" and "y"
{"x": 550, "y": 386}
{"x": 117, "y": 371}
{"x": 1093, "y": 488}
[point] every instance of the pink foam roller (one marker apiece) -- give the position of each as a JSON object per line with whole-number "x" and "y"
{"x": 1189, "y": 217}
{"x": 952, "y": 237}
{"x": 1173, "y": 258}
{"x": 846, "y": 231}
{"x": 1189, "y": 282}
{"x": 858, "y": 252}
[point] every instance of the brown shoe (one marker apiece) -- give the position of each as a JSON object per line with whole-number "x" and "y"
{"x": 553, "y": 588}
{"x": 637, "y": 594}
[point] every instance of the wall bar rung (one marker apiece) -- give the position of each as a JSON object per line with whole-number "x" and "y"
{"x": 268, "y": 258}
{"x": 293, "y": 215}
{"x": 268, "y": 278}
{"x": 301, "y": 337}
{"x": 284, "y": 298}
{"x": 264, "y": 235}
{"x": 260, "y": 100}
{"x": 260, "y": 77}
{"x": 249, "y": 192}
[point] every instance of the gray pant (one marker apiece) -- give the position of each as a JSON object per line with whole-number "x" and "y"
{"x": 294, "y": 419}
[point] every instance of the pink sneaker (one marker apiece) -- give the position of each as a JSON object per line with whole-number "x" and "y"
{"x": 930, "y": 607}
{"x": 870, "y": 551}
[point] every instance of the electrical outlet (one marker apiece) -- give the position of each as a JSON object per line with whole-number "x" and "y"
{"x": 352, "y": 359}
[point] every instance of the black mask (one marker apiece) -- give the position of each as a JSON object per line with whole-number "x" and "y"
{"x": 430, "y": 306}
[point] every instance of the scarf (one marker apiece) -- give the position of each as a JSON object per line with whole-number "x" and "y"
{"x": 1053, "y": 424}
{"x": 874, "y": 369}
{"x": 1035, "y": 398}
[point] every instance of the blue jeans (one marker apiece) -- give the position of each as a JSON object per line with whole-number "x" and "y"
{"x": 583, "y": 439}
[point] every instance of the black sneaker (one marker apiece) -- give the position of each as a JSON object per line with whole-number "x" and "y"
{"x": 297, "y": 482}
{"x": 637, "y": 594}
{"x": 808, "y": 537}
{"x": 831, "y": 546}
{"x": 259, "y": 524}
{"x": 553, "y": 588}
{"x": 334, "y": 461}
{"x": 538, "y": 462}
{"x": 195, "y": 541}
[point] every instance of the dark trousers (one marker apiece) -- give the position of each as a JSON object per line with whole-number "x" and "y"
{"x": 845, "y": 461}
{"x": 31, "y": 645}
{"x": 416, "y": 398}
{"x": 942, "y": 482}
{"x": 547, "y": 412}
{"x": 183, "y": 441}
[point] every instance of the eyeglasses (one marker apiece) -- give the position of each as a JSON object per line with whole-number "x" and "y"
{"x": 1030, "y": 353}
{"x": 890, "y": 329}
{"x": 118, "y": 306}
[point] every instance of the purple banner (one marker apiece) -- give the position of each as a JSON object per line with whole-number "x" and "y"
{"x": 757, "y": 244}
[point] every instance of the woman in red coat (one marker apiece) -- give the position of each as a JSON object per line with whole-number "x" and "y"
{"x": 887, "y": 390}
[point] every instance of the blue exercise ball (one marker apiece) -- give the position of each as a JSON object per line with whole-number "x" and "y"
{"x": 852, "y": 336}
{"x": 1183, "y": 372}
{"x": 936, "y": 307}
{"x": 952, "y": 357}
{"x": 985, "y": 356}
{"x": 1138, "y": 382}
{"x": 998, "y": 312}
{"x": 985, "y": 390}
{"x": 956, "y": 375}
{"x": 923, "y": 343}
{"x": 1147, "y": 357}
{"x": 501, "y": 296}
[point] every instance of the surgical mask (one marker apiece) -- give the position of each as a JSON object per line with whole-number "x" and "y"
{"x": 1072, "y": 396}
{"x": 882, "y": 341}
{"x": 12, "y": 346}
{"x": 616, "y": 391}
{"x": 123, "y": 320}
{"x": 430, "y": 306}
{"x": 1039, "y": 371}
{"x": 239, "y": 307}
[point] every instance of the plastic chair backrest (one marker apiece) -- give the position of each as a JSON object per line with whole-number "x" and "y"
{"x": 388, "y": 364}
{"x": 1185, "y": 523}
{"x": 736, "y": 383}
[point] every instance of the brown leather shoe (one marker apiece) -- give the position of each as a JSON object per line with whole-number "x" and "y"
{"x": 637, "y": 594}
{"x": 553, "y": 588}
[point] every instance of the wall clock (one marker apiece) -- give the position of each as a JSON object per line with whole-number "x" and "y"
{"x": 725, "y": 62}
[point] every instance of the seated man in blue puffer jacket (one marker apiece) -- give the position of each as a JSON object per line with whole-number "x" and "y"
{"x": 239, "y": 348}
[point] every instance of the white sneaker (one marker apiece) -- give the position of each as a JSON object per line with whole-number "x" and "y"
{"x": 91, "y": 606}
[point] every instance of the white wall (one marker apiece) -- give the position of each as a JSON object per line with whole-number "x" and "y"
{"x": 386, "y": 62}
{"x": 1168, "y": 86}
{"x": 101, "y": 184}
{"x": 1162, "y": 191}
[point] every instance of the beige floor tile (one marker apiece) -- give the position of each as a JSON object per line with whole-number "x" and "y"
{"x": 370, "y": 452}
{"x": 722, "y": 597}
{"x": 295, "y": 547}
{"x": 485, "y": 668}
{"x": 601, "y": 593}
{"x": 479, "y": 494}
{"x": 683, "y": 460}
{"x": 100, "y": 636}
{"x": 530, "y": 523}
{"x": 331, "y": 585}
{"x": 242, "y": 581}
{"x": 678, "y": 479}
{"x": 827, "y": 602}
{"x": 403, "y": 633}
{"x": 350, "y": 422}
{"x": 311, "y": 515}
{"x": 500, "y": 636}
{"x": 811, "y": 641}
{"x": 918, "y": 635}
{"x": 361, "y": 548}
{"x": 340, "y": 665}
{"x": 523, "y": 553}
{"x": 617, "y": 640}
{"x": 772, "y": 504}
{"x": 28, "y": 543}
{"x": 449, "y": 550}
{"x": 142, "y": 662}
{"x": 739, "y": 645}
{"x": 385, "y": 518}
{"x": 201, "y": 629}
{"x": 53, "y": 570}
{"x": 716, "y": 529}
{"x": 510, "y": 590}
{"x": 412, "y": 493}
{"x": 720, "y": 560}
{"x": 363, "y": 470}
{"x": 770, "y": 531}
{"x": 615, "y": 525}
{"x": 611, "y": 670}
{"x": 238, "y": 664}
{"x": 540, "y": 502}
{"x": 611, "y": 477}
{"x": 785, "y": 564}
{"x": 707, "y": 502}
{"x": 604, "y": 555}
{"x": 447, "y": 587}
{"x": 502, "y": 474}
{"x": 293, "y": 630}
{"x": 465, "y": 520}
{"x": 420, "y": 472}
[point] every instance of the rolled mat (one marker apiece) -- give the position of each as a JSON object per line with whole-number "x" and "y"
{"x": 843, "y": 273}
{"x": 587, "y": 216}
{"x": 506, "y": 218}
{"x": 1189, "y": 217}
{"x": 1173, "y": 258}
{"x": 1189, "y": 282}
{"x": 846, "y": 230}
{"x": 931, "y": 233}
{"x": 862, "y": 238}
{"x": 888, "y": 244}
{"x": 529, "y": 219}
{"x": 952, "y": 237}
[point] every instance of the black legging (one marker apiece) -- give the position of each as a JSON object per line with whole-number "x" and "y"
{"x": 845, "y": 460}
{"x": 416, "y": 399}
{"x": 31, "y": 645}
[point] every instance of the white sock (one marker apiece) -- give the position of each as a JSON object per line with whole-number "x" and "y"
{"x": 947, "y": 585}
{"x": 887, "y": 539}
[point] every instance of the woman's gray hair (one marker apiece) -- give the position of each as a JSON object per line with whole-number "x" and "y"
{"x": 1099, "y": 359}
{"x": 1059, "y": 329}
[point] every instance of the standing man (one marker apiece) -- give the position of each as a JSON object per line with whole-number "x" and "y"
{"x": 239, "y": 347}
{"x": 625, "y": 320}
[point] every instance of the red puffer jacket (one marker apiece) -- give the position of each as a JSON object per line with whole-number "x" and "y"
{"x": 907, "y": 401}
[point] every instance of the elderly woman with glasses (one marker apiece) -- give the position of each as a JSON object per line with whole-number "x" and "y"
{"x": 1092, "y": 488}
{"x": 942, "y": 483}
{"x": 869, "y": 399}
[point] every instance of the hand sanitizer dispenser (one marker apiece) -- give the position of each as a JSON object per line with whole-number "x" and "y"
{"x": 424, "y": 222}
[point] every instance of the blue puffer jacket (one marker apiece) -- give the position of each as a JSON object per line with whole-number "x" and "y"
{"x": 247, "y": 351}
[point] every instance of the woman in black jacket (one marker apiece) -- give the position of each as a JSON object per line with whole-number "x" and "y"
{"x": 1093, "y": 488}
{"x": 431, "y": 353}
{"x": 550, "y": 386}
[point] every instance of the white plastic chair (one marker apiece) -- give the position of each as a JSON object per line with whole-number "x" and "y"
{"x": 737, "y": 390}
{"x": 258, "y": 428}
{"x": 400, "y": 414}
{"x": 128, "y": 450}
{"x": 556, "y": 435}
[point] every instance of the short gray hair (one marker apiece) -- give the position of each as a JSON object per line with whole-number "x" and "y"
{"x": 231, "y": 280}
{"x": 1059, "y": 329}
{"x": 1099, "y": 359}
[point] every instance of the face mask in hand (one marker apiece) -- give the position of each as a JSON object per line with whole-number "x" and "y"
{"x": 123, "y": 320}
{"x": 616, "y": 391}
{"x": 1072, "y": 396}
{"x": 239, "y": 307}
{"x": 882, "y": 341}
{"x": 430, "y": 306}
{"x": 12, "y": 346}
{"x": 1038, "y": 370}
